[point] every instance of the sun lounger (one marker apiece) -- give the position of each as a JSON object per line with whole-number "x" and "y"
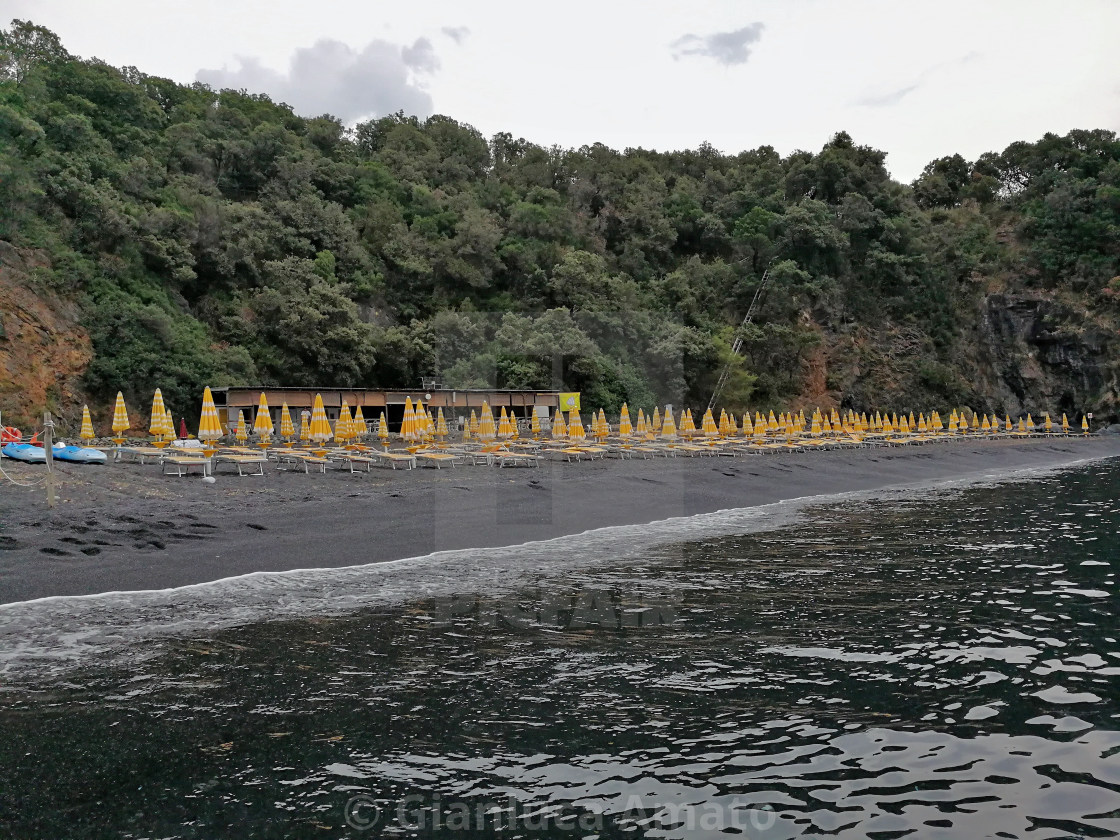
{"x": 513, "y": 459}
{"x": 300, "y": 459}
{"x": 436, "y": 459}
{"x": 182, "y": 464}
{"x": 351, "y": 459}
{"x": 405, "y": 459}
{"x": 142, "y": 453}
{"x": 568, "y": 453}
{"x": 255, "y": 463}
{"x": 692, "y": 450}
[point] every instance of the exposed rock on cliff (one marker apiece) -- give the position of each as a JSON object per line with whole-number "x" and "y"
{"x": 43, "y": 349}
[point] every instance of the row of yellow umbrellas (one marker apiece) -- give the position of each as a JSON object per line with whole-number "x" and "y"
{"x": 419, "y": 425}
{"x": 786, "y": 424}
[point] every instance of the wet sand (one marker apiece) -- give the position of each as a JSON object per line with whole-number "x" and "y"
{"x": 128, "y": 527}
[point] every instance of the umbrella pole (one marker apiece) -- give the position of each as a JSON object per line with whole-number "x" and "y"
{"x": 48, "y": 448}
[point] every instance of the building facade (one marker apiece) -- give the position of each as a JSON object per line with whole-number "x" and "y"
{"x": 457, "y": 403}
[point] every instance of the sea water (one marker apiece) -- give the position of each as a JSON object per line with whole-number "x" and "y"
{"x": 935, "y": 663}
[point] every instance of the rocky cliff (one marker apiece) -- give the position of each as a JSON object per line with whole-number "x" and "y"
{"x": 1033, "y": 351}
{"x": 43, "y": 348}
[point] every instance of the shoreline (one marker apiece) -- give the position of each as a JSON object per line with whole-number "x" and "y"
{"x": 126, "y": 528}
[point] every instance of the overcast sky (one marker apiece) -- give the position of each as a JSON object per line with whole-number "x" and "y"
{"x": 916, "y": 79}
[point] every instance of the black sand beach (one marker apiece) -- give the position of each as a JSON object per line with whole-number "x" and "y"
{"x": 127, "y": 527}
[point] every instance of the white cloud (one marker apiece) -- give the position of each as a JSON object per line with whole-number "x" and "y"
{"x": 331, "y": 77}
{"x": 908, "y": 78}
{"x": 458, "y": 34}
{"x": 726, "y": 48}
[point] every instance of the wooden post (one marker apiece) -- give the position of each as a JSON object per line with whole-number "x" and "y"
{"x": 48, "y": 444}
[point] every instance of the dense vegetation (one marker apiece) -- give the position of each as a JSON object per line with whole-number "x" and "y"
{"x": 216, "y": 237}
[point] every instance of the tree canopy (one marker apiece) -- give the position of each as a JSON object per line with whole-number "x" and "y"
{"x": 216, "y": 237}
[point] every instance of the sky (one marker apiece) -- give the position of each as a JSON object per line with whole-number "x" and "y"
{"x": 915, "y": 79}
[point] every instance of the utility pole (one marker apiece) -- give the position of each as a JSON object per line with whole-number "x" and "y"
{"x": 48, "y": 447}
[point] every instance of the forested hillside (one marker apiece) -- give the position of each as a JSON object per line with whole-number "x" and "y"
{"x": 213, "y": 237}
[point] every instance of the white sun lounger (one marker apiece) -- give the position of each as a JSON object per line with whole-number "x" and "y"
{"x": 183, "y": 464}
{"x": 255, "y": 463}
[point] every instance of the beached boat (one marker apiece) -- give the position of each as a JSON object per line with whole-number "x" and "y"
{"x": 78, "y": 454}
{"x": 25, "y": 452}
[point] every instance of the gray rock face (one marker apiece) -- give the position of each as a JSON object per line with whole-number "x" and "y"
{"x": 1037, "y": 354}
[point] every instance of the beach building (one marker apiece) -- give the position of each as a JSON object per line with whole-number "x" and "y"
{"x": 456, "y": 402}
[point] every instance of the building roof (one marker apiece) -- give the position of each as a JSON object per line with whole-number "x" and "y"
{"x": 228, "y": 388}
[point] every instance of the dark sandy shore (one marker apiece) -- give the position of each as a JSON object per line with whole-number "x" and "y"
{"x": 127, "y": 527}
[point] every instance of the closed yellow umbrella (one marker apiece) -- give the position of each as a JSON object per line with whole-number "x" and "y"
{"x": 158, "y": 425}
{"x": 241, "y": 433}
{"x": 1065, "y": 424}
{"x": 575, "y": 426}
{"x": 724, "y": 425}
{"x": 486, "y": 430}
{"x": 408, "y": 424}
{"x": 559, "y": 427}
{"x": 441, "y": 425}
{"x": 535, "y": 424}
{"x": 262, "y": 423}
{"x": 668, "y": 426}
{"x": 748, "y": 426}
{"x": 470, "y": 427}
{"x": 504, "y": 430}
{"x": 657, "y": 421}
{"x": 708, "y": 424}
{"x": 604, "y": 428}
{"x": 287, "y": 429}
{"x": 86, "y": 432}
{"x": 383, "y": 430}
{"x": 625, "y": 429}
{"x": 304, "y": 428}
{"x": 641, "y": 430}
{"x": 343, "y": 427}
{"x": 358, "y": 428}
{"x": 1085, "y": 424}
{"x": 168, "y": 423}
{"x": 320, "y": 427}
{"x": 209, "y": 428}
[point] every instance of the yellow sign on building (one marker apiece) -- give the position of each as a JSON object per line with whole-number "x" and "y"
{"x": 569, "y": 402}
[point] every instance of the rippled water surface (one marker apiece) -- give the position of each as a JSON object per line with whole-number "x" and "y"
{"x": 943, "y": 666}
